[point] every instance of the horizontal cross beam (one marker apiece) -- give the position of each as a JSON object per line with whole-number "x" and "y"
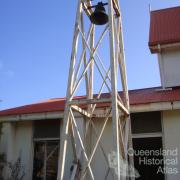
{"x": 81, "y": 111}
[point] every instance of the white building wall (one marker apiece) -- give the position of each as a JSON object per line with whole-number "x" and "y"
{"x": 7, "y": 143}
{"x": 99, "y": 163}
{"x": 169, "y": 67}
{"x": 7, "y": 140}
{"x": 24, "y": 146}
{"x": 171, "y": 128}
{"x": 17, "y": 141}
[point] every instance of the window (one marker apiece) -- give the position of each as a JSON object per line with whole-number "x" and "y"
{"x": 46, "y": 129}
{"x": 45, "y": 160}
{"x": 148, "y": 122}
{"x": 147, "y": 138}
{"x": 46, "y": 148}
{"x": 148, "y": 166}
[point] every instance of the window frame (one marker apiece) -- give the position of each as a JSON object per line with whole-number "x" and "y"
{"x": 45, "y": 140}
{"x": 153, "y": 134}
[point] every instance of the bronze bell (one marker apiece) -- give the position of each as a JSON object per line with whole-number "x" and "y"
{"x": 99, "y": 16}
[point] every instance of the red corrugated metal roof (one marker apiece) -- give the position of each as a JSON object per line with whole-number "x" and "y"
{"x": 141, "y": 96}
{"x": 164, "y": 26}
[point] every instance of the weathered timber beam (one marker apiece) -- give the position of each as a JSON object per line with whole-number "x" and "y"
{"x": 81, "y": 111}
{"x": 123, "y": 108}
{"x": 116, "y": 8}
{"x": 86, "y": 9}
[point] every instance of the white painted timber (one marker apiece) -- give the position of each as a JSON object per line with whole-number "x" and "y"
{"x": 171, "y": 128}
{"x": 169, "y": 61}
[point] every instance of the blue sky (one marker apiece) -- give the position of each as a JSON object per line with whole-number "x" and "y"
{"x": 35, "y": 47}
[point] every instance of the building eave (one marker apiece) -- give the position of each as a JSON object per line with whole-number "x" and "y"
{"x": 157, "y": 48}
{"x": 32, "y": 116}
{"x": 159, "y": 106}
{"x": 136, "y": 108}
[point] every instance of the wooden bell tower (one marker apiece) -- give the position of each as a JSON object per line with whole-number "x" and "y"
{"x": 84, "y": 68}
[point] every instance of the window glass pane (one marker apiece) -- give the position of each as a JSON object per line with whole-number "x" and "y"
{"x": 52, "y": 160}
{"x": 47, "y": 129}
{"x": 144, "y": 158}
{"x": 39, "y": 155}
{"x": 45, "y": 160}
{"x": 147, "y": 122}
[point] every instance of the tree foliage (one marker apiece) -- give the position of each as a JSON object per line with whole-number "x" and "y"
{"x": 17, "y": 171}
{"x": 2, "y": 156}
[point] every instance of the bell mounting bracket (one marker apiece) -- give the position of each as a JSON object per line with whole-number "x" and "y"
{"x": 94, "y": 6}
